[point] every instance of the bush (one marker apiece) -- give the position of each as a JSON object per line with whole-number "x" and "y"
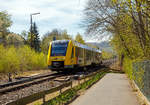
{"x": 20, "y": 59}
{"x": 127, "y": 67}
{"x": 107, "y": 55}
{"x": 2, "y": 52}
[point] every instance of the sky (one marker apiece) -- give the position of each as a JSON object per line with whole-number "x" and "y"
{"x": 61, "y": 14}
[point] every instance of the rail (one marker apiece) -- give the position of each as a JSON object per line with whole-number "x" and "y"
{"x": 24, "y": 80}
{"x": 26, "y": 84}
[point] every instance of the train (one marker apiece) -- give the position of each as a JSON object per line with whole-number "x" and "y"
{"x": 69, "y": 54}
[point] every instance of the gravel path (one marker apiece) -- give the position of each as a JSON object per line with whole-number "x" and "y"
{"x": 113, "y": 89}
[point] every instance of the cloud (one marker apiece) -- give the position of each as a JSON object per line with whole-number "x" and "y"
{"x": 63, "y": 14}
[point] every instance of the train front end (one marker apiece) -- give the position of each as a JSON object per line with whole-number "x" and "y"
{"x": 58, "y": 55}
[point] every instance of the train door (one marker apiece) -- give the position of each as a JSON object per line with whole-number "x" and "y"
{"x": 72, "y": 56}
{"x": 84, "y": 57}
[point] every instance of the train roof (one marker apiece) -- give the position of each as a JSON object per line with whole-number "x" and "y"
{"x": 86, "y": 47}
{"x": 60, "y": 41}
{"x": 78, "y": 45}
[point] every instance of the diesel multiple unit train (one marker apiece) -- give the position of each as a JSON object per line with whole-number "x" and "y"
{"x": 64, "y": 54}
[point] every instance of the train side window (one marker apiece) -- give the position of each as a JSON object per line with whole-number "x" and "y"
{"x": 76, "y": 51}
{"x": 72, "y": 54}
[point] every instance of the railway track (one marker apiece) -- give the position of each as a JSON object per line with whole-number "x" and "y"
{"x": 24, "y": 79}
{"x": 13, "y": 86}
{"x": 37, "y": 79}
{"x": 17, "y": 91}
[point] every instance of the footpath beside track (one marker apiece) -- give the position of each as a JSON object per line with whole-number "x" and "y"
{"x": 113, "y": 89}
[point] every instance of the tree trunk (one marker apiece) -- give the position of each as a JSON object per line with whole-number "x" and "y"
{"x": 121, "y": 62}
{"x": 9, "y": 77}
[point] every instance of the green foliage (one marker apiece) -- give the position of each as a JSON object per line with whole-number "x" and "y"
{"x": 65, "y": 35}
{"x": 107, "y": 55}
{"x": 127, "y": 66}
{"x": 9, "y": 60}
{"x": 38, "y": 103}
{"x": 32, "y": 38}
{"x": 134, "y": 73}
{"x": 20, "y": 59}
{"x": 139, "y": 78}
{"x": 79, "y": 39}
{"x": 92, "y": 46}
{"x": 127, "y": 21}
{"x": 48, "y": 37}
{"x": 36, "y": 38}
{"x": 63, "y": 98}
{"x": 125, "y": 42}
{"x": 14, "y": 39}
{"x": 5, "y": 20}
{"x": 131, "y": 37}
{"x": 31, "y": 59}
{"x": 24, "y": 34}
{"x": 5, "y": 23}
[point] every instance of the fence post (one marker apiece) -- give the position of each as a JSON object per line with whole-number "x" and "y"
{"x": 84, "y": 78}
{"x": 60, "y": 94}
{"x": 71, "y": 84}
{"x": 60, "y": 90}
{"x": 44, "y": 98}
{"x": 78, "y": 81}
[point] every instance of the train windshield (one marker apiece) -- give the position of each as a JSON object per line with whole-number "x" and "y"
{"x": 59, "y": 49}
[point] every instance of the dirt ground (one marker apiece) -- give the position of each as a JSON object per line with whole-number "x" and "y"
{"x": 115, "y": 66}
{"x": 4, "y": 77}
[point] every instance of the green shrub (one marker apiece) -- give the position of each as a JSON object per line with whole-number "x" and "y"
{"x": 38, "y": 60}
{"x": 107, "y": 55}
{"x": 127, "y": 67}
{"x": 9, "y": 60}
{"x": 25, "y": 57}
{"x": 2, "y": 52}
{"x": 20, "y": 59}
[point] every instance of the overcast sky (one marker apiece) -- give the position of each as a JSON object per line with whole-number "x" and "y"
{"x": 62, "y": 14}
